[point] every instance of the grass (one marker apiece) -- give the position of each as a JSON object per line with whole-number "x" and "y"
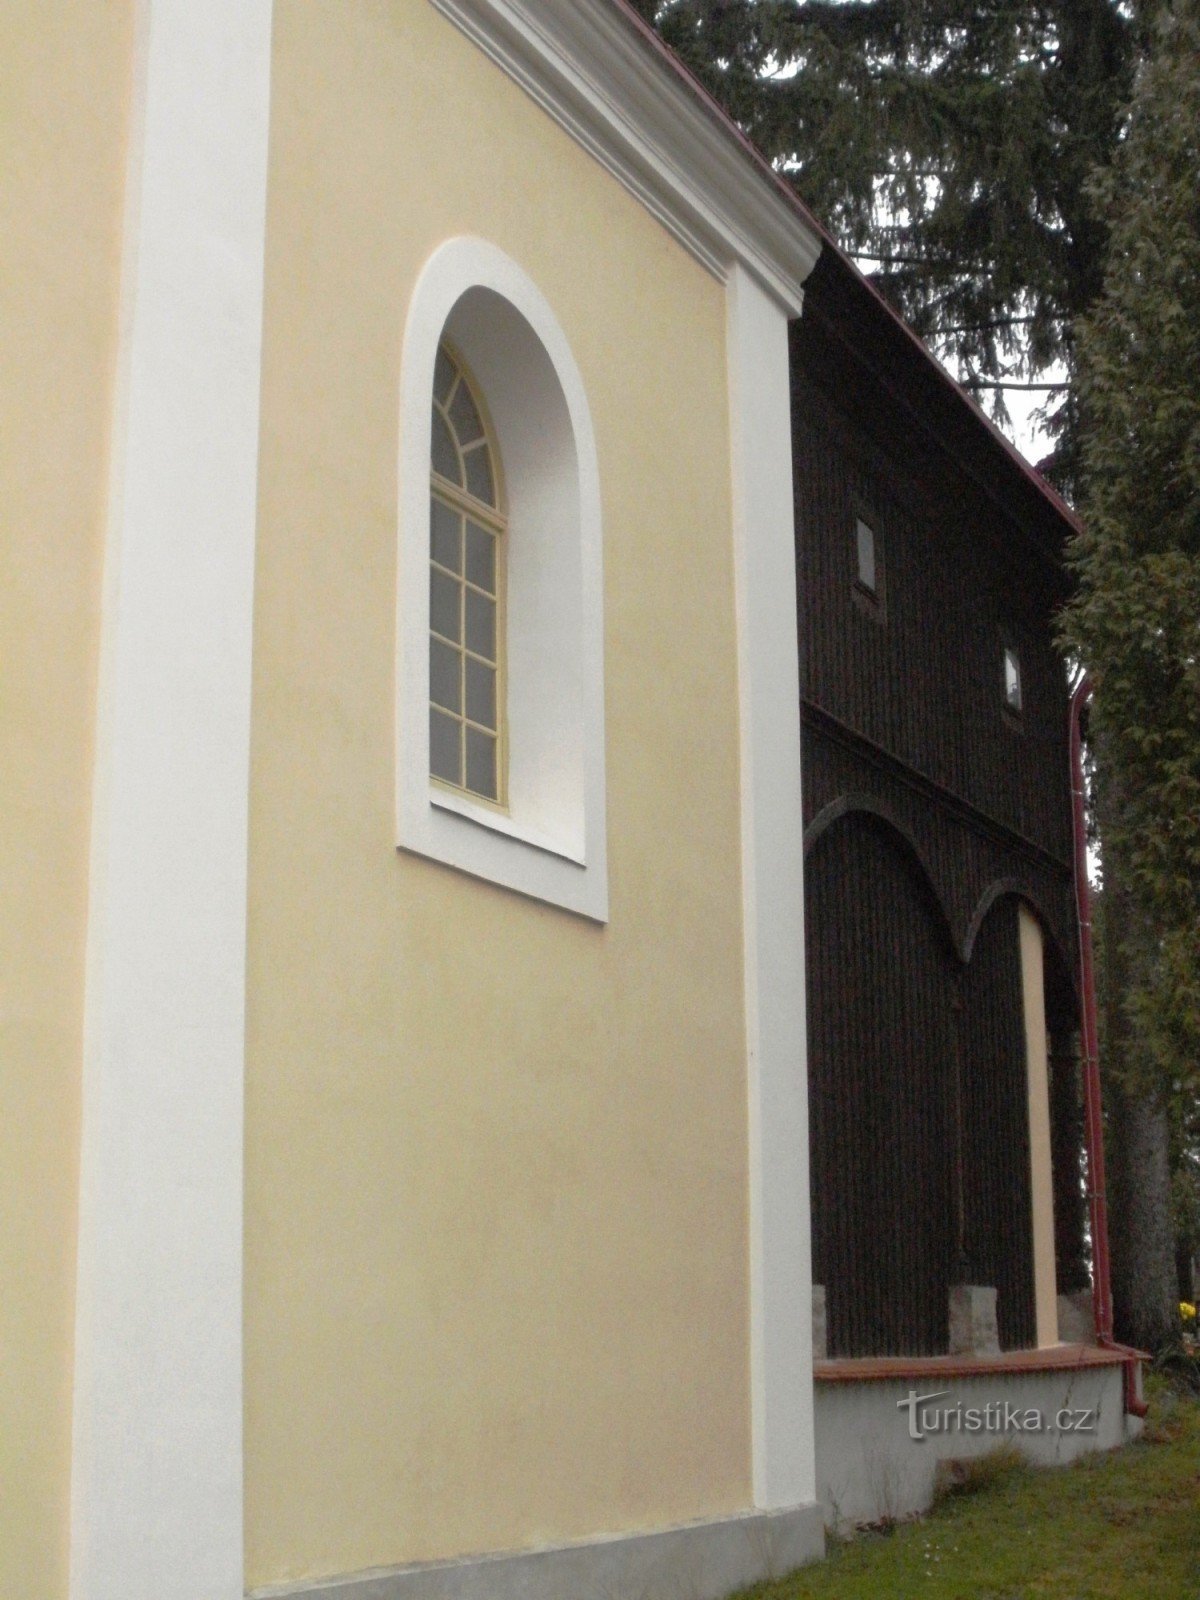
{"x": 1122, "y": 1526}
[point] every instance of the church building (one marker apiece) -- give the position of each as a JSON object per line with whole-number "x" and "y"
{"x": 432, "y": 522}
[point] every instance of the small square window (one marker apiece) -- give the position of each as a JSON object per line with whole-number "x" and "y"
{"x": 865, "y": 537}
{"x": 1012, "y": 678}
{"x": 868, "y": 589}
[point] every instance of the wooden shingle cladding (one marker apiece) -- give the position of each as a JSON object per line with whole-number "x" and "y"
{"x": 930, "y": 806}
{"x": 881, "y": 1104}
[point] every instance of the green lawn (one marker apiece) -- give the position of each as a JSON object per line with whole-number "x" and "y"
{"x": 1124, "y": 1525}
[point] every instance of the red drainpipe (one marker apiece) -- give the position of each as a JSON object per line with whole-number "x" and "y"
{"x": 1092, "y": 1109}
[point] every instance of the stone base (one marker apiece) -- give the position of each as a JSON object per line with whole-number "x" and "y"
{"x": 820, "y": 1334}
{"x": 973, "y": 1327}
{"x": 870, "y": 1469}
{"x": 703, "y": 1560}
{"x": 1076, "y": 1324}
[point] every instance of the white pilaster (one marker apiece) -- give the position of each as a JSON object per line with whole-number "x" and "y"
{"x": 773, "y": 896}
{"x": 157, "y": 1453}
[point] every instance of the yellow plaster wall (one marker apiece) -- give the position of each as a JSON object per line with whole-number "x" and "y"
{"x": 496, "y": 1257}
{"x": 64, "y": 84}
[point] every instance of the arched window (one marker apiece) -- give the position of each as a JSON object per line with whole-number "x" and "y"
{"x": 466, "y": 590}
{"x": 500, "y": 616}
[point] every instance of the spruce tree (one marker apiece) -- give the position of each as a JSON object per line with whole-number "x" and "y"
{"x": 1135, "y": 620}
{"x": 948, "y": 144}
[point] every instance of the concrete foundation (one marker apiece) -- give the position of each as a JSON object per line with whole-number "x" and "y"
{"x": 820, "y": 1333}
{"x": 703, "y": 1560}
{"x": 879, "y": 1442}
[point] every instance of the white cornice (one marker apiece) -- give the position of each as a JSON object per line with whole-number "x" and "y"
{"x": 584, "y": 62}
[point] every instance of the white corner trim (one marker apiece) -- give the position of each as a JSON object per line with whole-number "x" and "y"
{"x": 156, "y": 1489}
{"x": 552, "y": 843}
{"x": 585, "y": 64}
{"x": 773, "y": 897}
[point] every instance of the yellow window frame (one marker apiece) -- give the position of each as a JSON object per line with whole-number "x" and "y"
{"x": 493, "y": 519}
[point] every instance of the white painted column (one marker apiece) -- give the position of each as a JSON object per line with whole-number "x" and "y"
{"x": 156, "y": 1509}
{"x": 773, "y": 897}
{"x": 1041, "y": 1171}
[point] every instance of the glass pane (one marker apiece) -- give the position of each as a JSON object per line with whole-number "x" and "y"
{"x": 465, "y": 417}
{"x": 445, "y": 676}
{"x": 866, "y": 556}
{"x": 445, "y": 535}
{"x": 479, "y": 475}
{"x": 481, "y": 557}
{"x": 445, "y": 747}
{"x": 445, "y": 456}
{"x": 1012, "y": 678}
{"x": 444, "y": 374}
{"x": 481, "y": 763}
{"x": 481, "y": 625}
{"x": 481, "y": 693}
{"x": 443, "y": 604}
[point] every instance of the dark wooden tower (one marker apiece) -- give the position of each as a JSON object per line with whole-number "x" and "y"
{"x": 934, "y": 715}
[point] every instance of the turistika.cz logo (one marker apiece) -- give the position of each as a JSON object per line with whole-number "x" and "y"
{"x": 998, "y": 1416}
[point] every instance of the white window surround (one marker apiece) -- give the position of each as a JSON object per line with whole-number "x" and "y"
{"x": 551, "y": 842}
